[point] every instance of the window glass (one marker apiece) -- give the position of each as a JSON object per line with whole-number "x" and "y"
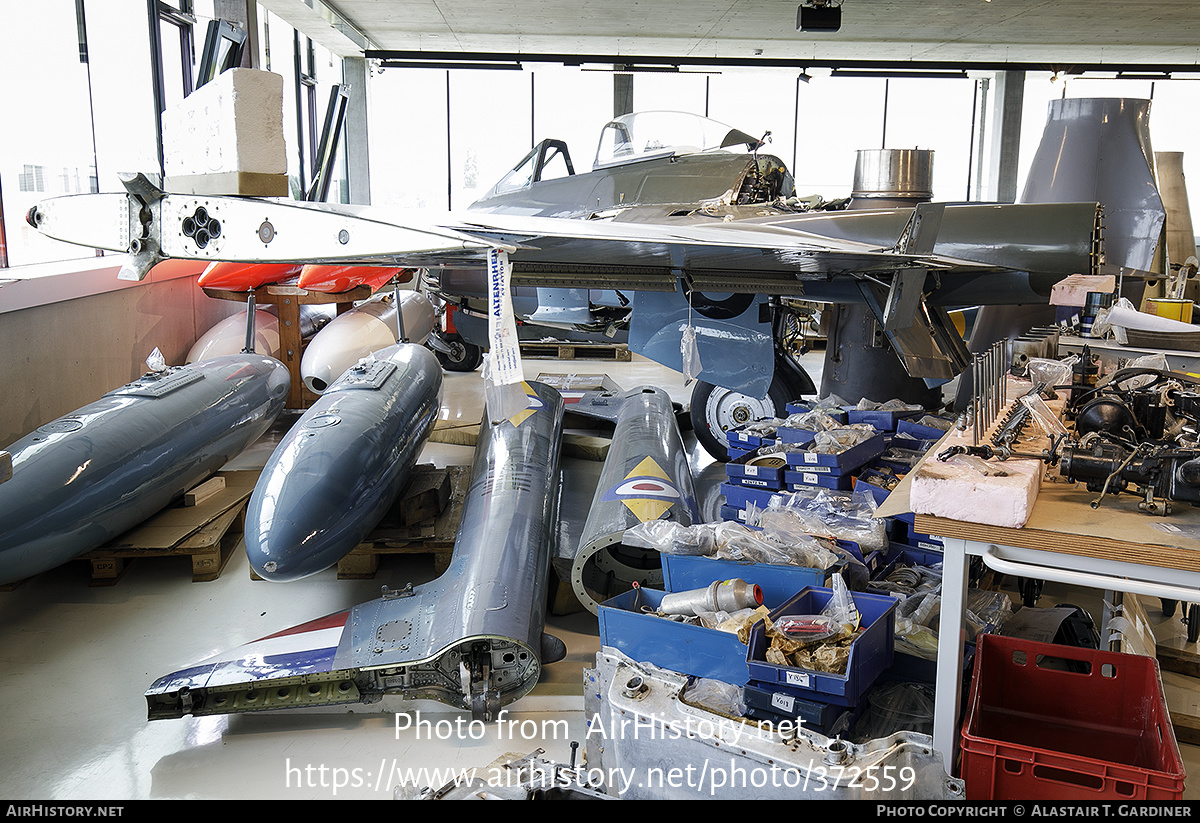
{"x": 46, "y": 149}
{"x": 571, "y": 105}
{"x": 934, "y": 113}
{"x": 490, "y": 129}
{"x": 1174, "y": 118}
{"x": 757, "y": 102}
{"x": 838, "y": 116}
{"x": 669, "y": 91}
{"x": 406, "y": 112}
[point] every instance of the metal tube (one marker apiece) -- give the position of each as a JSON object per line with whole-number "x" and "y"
{"x": 645, "y": 477}
{"x": 722, "y": 595}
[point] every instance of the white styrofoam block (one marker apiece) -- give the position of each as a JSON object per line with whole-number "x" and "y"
{"x": 1073, "y": 290}
{"x": 959, "y": 492}
{"x": 233, "y": 123}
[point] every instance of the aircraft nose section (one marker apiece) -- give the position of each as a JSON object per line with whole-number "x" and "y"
{"x": 281, "y": 550}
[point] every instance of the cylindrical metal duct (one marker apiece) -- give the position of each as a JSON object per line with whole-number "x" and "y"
{"x": 645, "y": 477}
{"x": 893, "y": 177}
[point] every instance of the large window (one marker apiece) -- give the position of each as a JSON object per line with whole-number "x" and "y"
{"x": 309, "y": 72}
{"x": 46, "y": 146}
{"x": 441, "y": 138}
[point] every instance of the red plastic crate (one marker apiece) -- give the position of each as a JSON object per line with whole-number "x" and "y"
{"x": 1035, "y": 731}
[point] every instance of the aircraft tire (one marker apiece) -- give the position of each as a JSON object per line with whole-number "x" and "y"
{"x": 463, "y": 356}
{"x": 715, "y": 409}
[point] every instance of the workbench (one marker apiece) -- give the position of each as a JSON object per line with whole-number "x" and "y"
{"x": 1114, "y": 547}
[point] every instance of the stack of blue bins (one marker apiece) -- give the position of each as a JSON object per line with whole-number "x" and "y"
{"x": 821, "y": 701}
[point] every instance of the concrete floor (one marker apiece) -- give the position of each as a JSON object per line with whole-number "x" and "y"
{"x": 75, "y": 661}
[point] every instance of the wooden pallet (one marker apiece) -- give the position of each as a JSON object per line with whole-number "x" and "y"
{"x": 208, "y": 533}
{"x": 423, "y": 521}
{"x": 563, "y": 350}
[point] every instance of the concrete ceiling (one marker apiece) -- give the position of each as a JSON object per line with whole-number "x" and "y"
{"x": 1041, "y": 32}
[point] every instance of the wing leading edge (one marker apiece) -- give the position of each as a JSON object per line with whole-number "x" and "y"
{"x": 755, "y": 254}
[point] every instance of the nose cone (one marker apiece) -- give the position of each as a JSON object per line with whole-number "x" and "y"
{"x": 282, "y": 550}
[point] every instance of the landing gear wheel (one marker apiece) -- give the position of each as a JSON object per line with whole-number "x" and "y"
{"x": 1193, "y": 623}
{"x": 1168, "y": 607}
{"x": 463, "y": 356}
{"x": 716, "y": 410}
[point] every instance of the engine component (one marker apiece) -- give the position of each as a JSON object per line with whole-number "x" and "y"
{"x": 721, "y": 595}
{"x": 1157, "y": 470}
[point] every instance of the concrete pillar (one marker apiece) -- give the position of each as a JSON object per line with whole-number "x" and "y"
{"x": 622, "y": 94}
{"x": 1009, "y": 97}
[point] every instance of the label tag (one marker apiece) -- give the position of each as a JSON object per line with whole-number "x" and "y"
{"x": 503, "y": 374}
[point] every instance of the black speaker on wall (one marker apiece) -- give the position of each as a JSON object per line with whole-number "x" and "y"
{"x": 818, "y": 18}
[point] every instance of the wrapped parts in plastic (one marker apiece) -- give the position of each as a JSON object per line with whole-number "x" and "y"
{"x": 896, "y": 707}
{"x": 830, "y": 655}
{"x": 903, "y": 580}
{"x": 890, "y": 405}
{"x": 932, "y": 422}
{"x": 836, "y": 441}
{"x": 1148, "y": 361}
{"x": 762, "y": 428}
{"x": 671, "y": 537}
{"x": 823, "y": 513}
{"x": 729, "y": 540}
{"x": 795, "y": 640}
{"x": 817, "y": 420}
{"x": 1051, "y": 372}
{"x": 737, "y": 622}
{"x": 918, "y": 615}
{"x": 715, "y": 695}
{"x": 841, "y": 609}
{"x": 901, "y": 456}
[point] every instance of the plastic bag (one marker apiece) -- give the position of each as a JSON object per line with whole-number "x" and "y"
{"x": 841, "y": 609}
{"x": 715, "y": 695}
{"x": 156, "y": 361}
{"x": 742, "y": 544}
{"x": 669, "y": 537}
{"x": 824, "y": 513}
{"x": 1051, "y": 372}
{"x": 896, "y": 707}
{"x": 1149, "y": 361}
{"x": 691, "y": 353}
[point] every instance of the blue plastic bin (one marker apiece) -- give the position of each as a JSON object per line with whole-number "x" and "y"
{"x": 667, "y": 644}
{"x": 871, "y": 652}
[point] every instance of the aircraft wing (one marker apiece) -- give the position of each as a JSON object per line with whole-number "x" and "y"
{"x": 752, "y": 255}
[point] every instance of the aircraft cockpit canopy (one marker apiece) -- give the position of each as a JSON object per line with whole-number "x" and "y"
{"x": 644, "y": 135}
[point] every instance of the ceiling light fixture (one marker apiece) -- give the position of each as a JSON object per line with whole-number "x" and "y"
{"x": 819, "y": 15}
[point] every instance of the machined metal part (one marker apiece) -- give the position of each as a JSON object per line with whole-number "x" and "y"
{"x": 83, "y": 479}
{"x": 473, "y": 638}
{"x": 651, "y": 743}
{"x": 1162, "y": 474}
{"x": 645, "y": 477}
{"x": 721, "y": 595}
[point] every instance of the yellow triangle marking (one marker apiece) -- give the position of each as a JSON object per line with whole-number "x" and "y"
{"x": 645, "y": 510}
{"x": 648, "y": 468}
